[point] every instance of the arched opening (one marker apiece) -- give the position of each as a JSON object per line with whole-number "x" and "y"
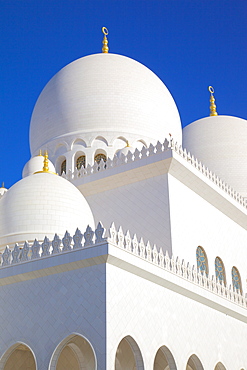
{"x": 201, "y": 260}
{"x": 99, "y": 156}
{"x": 61, "y": 149}
{"x": 139, "y": 144}
{"x": 80, "y": 142}
{"x": 80, "y": 162}
{"x": 119, "y": 143}
{"x": 18, "y": 357}
{"x": 164, "y": 360}
{"x": 219, "y": 366}
{"x": 74, "y": 353}
{"x": 236, "y": 280}
{"x": 63, "y": 167}
{"x": 194, "y": 363}
{"x": 99, "y": 140}
{"x": 220, "y": 270}
{"x": 128, "y": 355}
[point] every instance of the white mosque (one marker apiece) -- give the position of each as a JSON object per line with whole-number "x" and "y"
{"x": 127, "y": 248}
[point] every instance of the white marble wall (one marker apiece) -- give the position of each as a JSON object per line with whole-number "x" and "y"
{"x": 106, "y": 293}
{"x": 194, "y": 222}
{"x": 155, "y": 316}
{"x": 44, "y": 311}
{"x": 141, "y": 207}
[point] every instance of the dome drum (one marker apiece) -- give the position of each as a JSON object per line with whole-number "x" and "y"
{"x": 69, "y": 149}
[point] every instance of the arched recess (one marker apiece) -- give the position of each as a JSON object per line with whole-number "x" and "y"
{"x": 120, "y": 142}
{"x": 194, "y": 363}
{"x": 164, "y": 360}
{"x": 80, "y": 142}
{"x": 219, "y": 366}
{"x": 61, "y": 148}
{"x": 18, "y": 357}
{"x": 61, "y": 164}
{"x": 100, "y": 154}
{"x": 220, "y": 270}
{"x": 79, "y": 160}
{"x": 128, "y": 355}
{"x": 236, "y": 280}
{"x": 139, "y": 144}
{"x": 201, "y": 260}
{"x": 143, "y": 142}
{"x": 99, "y": 139}
{"x": 74, "y": 353}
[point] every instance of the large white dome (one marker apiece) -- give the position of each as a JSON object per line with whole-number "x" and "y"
{"x": 105, "y": 95}
{"x": 41, "y": 205}
{"x": 219, "y": 142}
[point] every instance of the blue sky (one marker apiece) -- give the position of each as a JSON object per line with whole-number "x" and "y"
{"x": 189, "y": 44}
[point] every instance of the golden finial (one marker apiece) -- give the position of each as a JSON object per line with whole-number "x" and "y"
{"x": 212, "y": 100}
{"x": 46, "y": 165}
{"x": 128, "y": 144}
{"x": 2, "y": 184}
{"x": 40, "y": 153}
{"x": 105, "y": 48}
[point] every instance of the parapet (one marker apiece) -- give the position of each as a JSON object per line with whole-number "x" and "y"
{"x": 134, "y": 246}
{"x": 150, "y": 151}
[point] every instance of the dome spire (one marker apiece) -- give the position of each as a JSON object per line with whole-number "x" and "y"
{"x": 46, "y": 165}
{"x": 105, "y": 47}
{"x": 212, "y": 100}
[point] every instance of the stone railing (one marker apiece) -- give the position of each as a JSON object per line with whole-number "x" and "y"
{"x": 90, "y": 238}
{"x": 150, "y": 151}
{"x": 209, "y": 174}
{"x": 174, "y": 265}
{"x": 27, "y": 252}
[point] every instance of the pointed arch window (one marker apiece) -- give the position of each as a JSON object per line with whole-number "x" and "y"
{"x": 201, "y": 260}
{"x": 236, "y": 279}
{"x": 220, "y": 270}
{"x": 63, "y": 167}
{"x": 81, "y": 162}
{"x": 100, "y": 156}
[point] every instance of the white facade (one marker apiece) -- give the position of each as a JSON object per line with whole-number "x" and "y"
{"x": 157, "y": 280}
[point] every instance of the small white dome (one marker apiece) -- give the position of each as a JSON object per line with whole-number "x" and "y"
{"x": 125, "y": 151}
{"x": 42, "y": 205}
{"x": 36, "y": 164}
{"x": 104, "y": 95}
{"x": 219, "y": 142}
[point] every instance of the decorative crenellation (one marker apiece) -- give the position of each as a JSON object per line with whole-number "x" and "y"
{"x": 153, "y": 150}
{"x": 124, "y": 241}
{"x": 173, "y": 265}
{"x": 38, "y": 249}
{"x": 117, "y": 161}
